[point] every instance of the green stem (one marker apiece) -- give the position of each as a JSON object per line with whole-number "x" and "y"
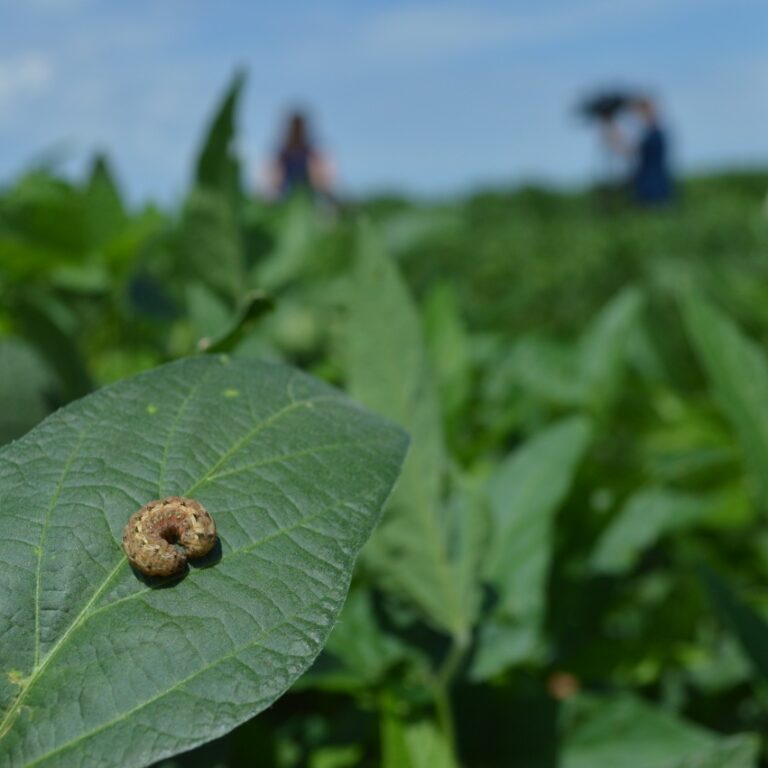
{"x": 442, "y": 691}
{"x": 444, "y": 712}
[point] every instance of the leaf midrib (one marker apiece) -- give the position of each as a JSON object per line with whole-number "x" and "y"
{"x": 44, "y": 534}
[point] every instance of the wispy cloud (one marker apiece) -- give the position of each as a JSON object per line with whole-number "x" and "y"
{"x": 24, "y": 76}
{"x": 52, "y": 5}
{"x": 430, "y": 31}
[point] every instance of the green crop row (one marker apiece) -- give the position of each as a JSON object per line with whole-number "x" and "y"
{"x": 572, "y": 569}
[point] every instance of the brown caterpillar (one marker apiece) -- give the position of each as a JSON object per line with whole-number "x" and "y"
{"x": 165, "y": 533}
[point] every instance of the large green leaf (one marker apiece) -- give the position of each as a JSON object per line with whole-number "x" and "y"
{"x": 388, "y": 370}
{"x": 738, "y": 371}
{"x": 624, "y": 731}
{"x": 99, "y": 667}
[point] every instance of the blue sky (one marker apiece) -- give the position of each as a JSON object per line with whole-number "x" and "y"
{"x": 428, "y": 97}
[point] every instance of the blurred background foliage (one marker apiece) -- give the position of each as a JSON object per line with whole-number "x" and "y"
{"x": 572, "y": 571}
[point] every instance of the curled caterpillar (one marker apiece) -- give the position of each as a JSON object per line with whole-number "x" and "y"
{"x": 160, "y": 538}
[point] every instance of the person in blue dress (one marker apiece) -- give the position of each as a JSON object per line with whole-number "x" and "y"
{"x": 298, "y": 166}
{"x": 651, "y": 182}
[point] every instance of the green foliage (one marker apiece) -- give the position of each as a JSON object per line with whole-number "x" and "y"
{"x": 586, "y": 396}
{"x": 750, "y": 628}
{"x": 218, "y": 168}
{"x": 410, "y": 550}
{"x": 22, "y": 407}
{"x": 623, "y": 731}
{"x": 738, "y": 371}
{"x": 524, "y": 495}
{"x": 643, "y": 519}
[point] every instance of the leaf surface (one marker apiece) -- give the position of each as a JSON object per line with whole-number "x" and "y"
{"x": 99, "y": 667}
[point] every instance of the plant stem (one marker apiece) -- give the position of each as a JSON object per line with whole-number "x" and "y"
{"x": 442, "y": 691}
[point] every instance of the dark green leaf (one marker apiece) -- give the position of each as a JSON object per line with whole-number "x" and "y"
{"x": 96, "y": 662}
{"x": 56, "y": 346}
{"x": 749, "y": 627}
{"x": 28, "y": 389}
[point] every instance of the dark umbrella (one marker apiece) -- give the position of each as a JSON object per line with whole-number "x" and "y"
{"x": 606, "y": 105}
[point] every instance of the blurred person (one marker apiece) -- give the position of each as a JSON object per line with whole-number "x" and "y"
{"x": 298, "y": 166}
{"x": 650, "y": 180}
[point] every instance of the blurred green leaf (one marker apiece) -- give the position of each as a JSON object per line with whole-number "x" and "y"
{"x": 28, "y": 389}
{"x": 413, "y": 744}
{"x": 347, "y": 756}
{"x": 210, "y": 248}
{"x": 218, "y": 168}
{"x": 297, "y": 244}
{"x": 254, "y": 306}
{"x": 448, "y": 347}
{"x": 749, "y": 627}
{"x": 643, "y": 519}
{"x": 105, "y": 214}
{"x": 586, "y": 374}
{"x": 624, "y": 731}
{"x": 410, "y": 552}
{"x": 525, "y": 493}
{"x": 35, "y": 321}
{"x": 603, "y": 348}
{"x": 738, "y": 373}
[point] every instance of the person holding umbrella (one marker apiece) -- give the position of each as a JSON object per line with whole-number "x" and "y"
{"x": 650, "y": 180}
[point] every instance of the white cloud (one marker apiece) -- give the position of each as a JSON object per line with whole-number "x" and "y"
{"x": 54, "y": 5}
{"x": 26, "y": 74}
{"x": 428, "y": 31}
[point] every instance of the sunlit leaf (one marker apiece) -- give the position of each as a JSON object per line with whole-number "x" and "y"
{"x": 96, "y": 661}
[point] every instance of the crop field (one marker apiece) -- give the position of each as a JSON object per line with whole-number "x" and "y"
{"x": 571, "y": 570}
